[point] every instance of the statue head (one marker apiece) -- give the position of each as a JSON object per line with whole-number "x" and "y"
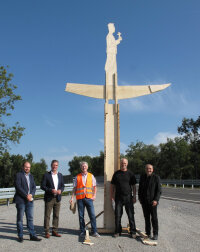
{"x": 111, "y": 27}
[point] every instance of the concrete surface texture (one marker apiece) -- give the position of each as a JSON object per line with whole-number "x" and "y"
{"x": 179, "y": 224}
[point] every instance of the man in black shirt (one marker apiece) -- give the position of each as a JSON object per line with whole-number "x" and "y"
{"x": 123, "y": 192}
{"x": 149, "y": 194}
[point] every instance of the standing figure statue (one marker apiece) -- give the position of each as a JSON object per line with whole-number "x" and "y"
{"x": 111, "y": 63}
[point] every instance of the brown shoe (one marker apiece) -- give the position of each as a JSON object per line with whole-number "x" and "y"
{"x": 47, "y": 235}
{"x": 55, "y": 234}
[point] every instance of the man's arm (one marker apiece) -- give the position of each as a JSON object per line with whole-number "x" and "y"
{"x": 157, "y": 191}
{"x": 72, "y": 197}
{"x": 74, "y": 190}
{"x": 44, "y": 186}
{"x": 33, "y": 185}
{"x": 62, "y": 186}
{"x": 94, "y": 192}
{"x": 134, "y": 193}
{"x": 18, "y": 186}
{"x": 140, "y": 190}
{"x": 112, "y": 191}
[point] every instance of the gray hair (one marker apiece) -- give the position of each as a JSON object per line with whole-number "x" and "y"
{"x": 124, "y": 159}
{"x": 83, "y": 162}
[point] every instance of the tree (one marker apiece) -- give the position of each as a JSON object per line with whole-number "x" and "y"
{"x": 7, "y": 100}
{"x": 38, "y": 170}
{"x": 95, "y": 164}
{"x": 190, "y": 129}
{"x": 174, "y": 161}
{"x": 74, "y": 164}
{"x": 11, "y": 164}
{"x": 139, "y": 155}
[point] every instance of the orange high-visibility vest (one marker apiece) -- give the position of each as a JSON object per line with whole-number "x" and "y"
{"x": 84, "y": 191}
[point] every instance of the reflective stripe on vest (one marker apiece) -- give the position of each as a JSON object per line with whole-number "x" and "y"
{"x": 84, "y": 191}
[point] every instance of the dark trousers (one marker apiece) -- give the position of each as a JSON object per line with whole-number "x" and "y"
{"x": 150, "y": 211}
{"x": 52, "y": 204}
{"x": 128, "y": 203}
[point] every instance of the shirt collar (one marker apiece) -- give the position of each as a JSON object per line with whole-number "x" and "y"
{"x": 54, "y": 173}
{"x": 83, "y": 174}
{"x": 26, "y": 174}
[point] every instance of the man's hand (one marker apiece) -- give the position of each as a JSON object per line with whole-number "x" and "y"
{"x": 154, "y": 203}
{"x": 54, "y": 191}
{"x": 59, "y": 191}
{"x": 94, "y": 197}
{"x": 71, "y": 200}
{"x": 29, "y": 197}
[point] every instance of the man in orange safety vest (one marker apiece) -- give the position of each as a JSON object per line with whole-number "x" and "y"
{"x": 85, "y": 190}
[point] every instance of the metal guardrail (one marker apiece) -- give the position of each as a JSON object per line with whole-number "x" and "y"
{"x": 183, "y": 183}
{"x": 8, "y": 193}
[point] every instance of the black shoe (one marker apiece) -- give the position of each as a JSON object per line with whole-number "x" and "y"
{"x": 34, "y": 238}
{"x": 148, "y": 235}
{"x": 155, "y": 237}
{"x": 133, "y": 236}
{"x": 20, "y": 239}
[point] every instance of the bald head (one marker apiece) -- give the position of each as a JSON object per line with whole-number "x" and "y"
{"x": 124, "y": 164}
{"x": 149, "y": 169}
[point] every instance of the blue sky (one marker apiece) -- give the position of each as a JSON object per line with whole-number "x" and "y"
{"x": 49, "y": 43}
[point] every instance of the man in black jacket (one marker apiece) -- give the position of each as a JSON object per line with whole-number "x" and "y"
{"x": 53, "y": 185}
{"x": 149, "y": 194}
{"x": 25, "y": 190}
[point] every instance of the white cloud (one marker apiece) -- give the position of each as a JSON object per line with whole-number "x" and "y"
{"x": 161, "y": 137}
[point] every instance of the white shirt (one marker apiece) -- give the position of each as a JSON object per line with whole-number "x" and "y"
{"x": 55, "y": 180}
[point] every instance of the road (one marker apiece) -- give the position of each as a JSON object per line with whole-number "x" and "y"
{"x": 184, "y": 194}
{"x": 178, "y": 229}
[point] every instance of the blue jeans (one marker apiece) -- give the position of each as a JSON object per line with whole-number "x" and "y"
{"x": 28, "y": 209}
{"x": 88, "y": 203}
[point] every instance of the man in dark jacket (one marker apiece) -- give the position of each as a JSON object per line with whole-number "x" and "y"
{"x": 53, "y": 185}
{"x": 25, "y": 190}
{"x": 149, "y": 194}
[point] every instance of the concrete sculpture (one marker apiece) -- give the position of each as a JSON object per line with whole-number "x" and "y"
{"x": 111, "y": 91}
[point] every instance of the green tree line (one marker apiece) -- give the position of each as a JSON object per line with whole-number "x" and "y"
{"x": 178, "y": 158}
{"x": 11, "y": 164}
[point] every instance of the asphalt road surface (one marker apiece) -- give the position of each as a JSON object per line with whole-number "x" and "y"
{"x": 179, "y": 224}
{"x": 183, "y": 194}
